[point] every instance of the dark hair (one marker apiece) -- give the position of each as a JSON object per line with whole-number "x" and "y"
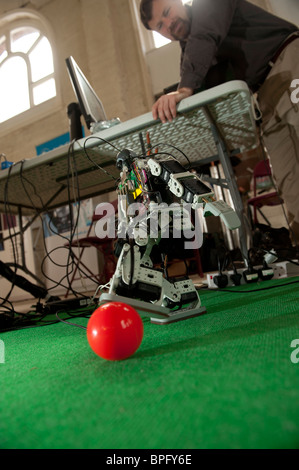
{"x": 146, "y": 12}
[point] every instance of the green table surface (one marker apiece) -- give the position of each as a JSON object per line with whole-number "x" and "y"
{"x": 224, "y": 380}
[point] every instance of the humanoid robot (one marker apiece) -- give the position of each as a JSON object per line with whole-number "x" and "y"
{"x": 163, "y": 194}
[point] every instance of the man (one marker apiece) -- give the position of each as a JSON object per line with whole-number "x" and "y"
{"x": 223, "y": 40}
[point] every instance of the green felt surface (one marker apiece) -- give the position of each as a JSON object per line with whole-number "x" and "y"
{"x": 222, "y": 380}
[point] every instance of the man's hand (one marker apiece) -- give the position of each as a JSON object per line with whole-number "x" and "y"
{"x": 165, "y": 106}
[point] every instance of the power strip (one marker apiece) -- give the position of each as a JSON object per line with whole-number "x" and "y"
{"x": 285, "y": 269}
{"x": 281, "y": 270}
{"x": 212, "y": 285}
{"x": 68, "y": 304}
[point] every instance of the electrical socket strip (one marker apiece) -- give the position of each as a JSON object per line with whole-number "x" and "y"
{"x": 285, "y": 269}
{"x": 212, "y": 285}
{"x": 281, "y": 270}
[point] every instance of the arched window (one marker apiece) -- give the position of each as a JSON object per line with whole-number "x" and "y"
{"x": 27, "y": 71}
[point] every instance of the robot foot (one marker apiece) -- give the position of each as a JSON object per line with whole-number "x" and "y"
{"x": 158, "y": 314}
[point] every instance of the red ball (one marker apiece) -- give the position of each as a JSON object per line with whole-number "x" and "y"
{"x": 115, "y": 331}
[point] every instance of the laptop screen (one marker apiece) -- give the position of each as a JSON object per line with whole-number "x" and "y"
{"x": 90, "y": 105}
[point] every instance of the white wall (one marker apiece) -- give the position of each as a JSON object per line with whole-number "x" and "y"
{"x": 163, "y": 64}
{"x": 287, "y": 9}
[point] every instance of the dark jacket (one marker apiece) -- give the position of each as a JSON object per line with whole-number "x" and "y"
{"x": 230, "y": 39}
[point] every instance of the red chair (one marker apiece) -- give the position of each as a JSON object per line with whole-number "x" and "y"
{"x": 262, "y": 182}
{"x": 104, "y": 245}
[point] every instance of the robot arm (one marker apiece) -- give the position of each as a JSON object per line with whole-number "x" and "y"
{"x": 191, "y": 189}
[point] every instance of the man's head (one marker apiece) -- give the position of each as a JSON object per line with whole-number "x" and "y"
{"x": 167, "y": 17}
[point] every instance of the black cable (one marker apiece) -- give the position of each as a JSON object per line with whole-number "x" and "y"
{"x": 172, "y": 146}
{"x": 69, "y": 265}
{"x": 47, "y": 256}
{"x": 8, "y": 214}
{"x": 53, "y": 230}
{"x": 95, "y": 163}
{"x": 255, "y": 290}
{"x": 70, "y": 323}
{"x": 38, "y": 320}
{"x": 43, "y": 208}
{"x": 72, "y": 229}
{"x": 7, "y": 271}
{"x": 23, "y": 178}
{"x": 70, "y": 259}
{"x": 103, "y": 140}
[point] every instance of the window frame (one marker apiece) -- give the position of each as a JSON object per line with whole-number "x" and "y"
{"x": 28, "y": 18}
{"x": 145, "y": 36}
